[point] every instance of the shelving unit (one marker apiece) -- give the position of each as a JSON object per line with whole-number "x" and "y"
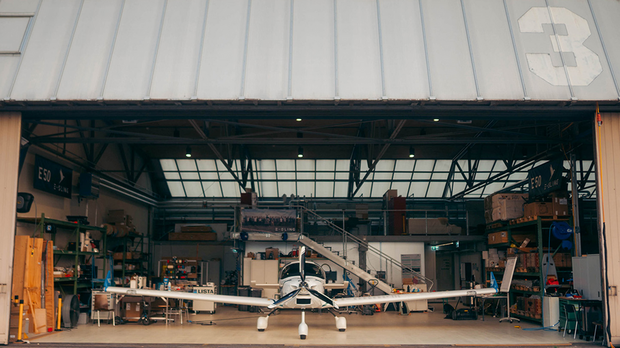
{"x": 140, "y": 269}
{"x": 536, "y": 227}
{"x": 63, "y": 284}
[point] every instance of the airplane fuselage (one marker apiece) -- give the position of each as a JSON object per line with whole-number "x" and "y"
{"x": 304, "y": 300}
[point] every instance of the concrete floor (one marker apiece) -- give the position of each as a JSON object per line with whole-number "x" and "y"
{"x": 387, "y": 328}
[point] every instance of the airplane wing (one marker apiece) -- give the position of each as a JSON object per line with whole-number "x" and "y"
{"x": 368, "y": 300}
{"x": 241, "y": 300}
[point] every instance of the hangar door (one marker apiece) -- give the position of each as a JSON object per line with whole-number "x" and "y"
{"x": 607, "y": 138}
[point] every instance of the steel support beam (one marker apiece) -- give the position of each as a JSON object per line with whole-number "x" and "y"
{"x": 216, "y": 152}
{"x": 371, "y": 168}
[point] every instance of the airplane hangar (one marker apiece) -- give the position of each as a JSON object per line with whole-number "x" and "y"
{"x": 242, "y": 172}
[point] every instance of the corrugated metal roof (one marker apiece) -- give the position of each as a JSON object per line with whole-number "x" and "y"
{"x": 320, "y": 50}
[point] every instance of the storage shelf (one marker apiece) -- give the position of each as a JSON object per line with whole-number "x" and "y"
{"x": 69, "y": 252}
{"x": 64, "y": 224}
{"x": 525, "y": 291}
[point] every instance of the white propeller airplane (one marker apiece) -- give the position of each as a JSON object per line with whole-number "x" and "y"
{"x": 303, "y": 282}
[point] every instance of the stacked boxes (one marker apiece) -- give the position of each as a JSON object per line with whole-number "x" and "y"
{"x": 194, "y": 232}
{"x": 504, "y": 206}
{"x": 498, "y": 237}
{"x": 563, "y": 260}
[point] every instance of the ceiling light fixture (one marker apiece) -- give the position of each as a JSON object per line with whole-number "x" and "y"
{"x": 298, "y": 119}
{"x": 300, "y": 152}
{"x": 436, "y": 120}
{"x": 411, "y": 152}
{"x": 188, "y": 151}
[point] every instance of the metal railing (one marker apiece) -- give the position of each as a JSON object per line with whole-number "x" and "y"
{"x": 346, "y": 235}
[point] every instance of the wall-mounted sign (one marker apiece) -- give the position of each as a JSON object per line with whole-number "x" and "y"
{"x": 546, "y": 178}
{"x": 52, "y": 177}
{"x": 268, "y": 220}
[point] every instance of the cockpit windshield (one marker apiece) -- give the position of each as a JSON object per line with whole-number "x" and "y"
{"x": 311, "y": 270}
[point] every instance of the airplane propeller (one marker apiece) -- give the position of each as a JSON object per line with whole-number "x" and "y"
{"x": 303, "y": 285}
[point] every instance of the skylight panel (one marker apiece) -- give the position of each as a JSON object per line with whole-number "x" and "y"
{"x": 193, "y": 189}
{"x": 168, "y": 164}
{"x": 176, "y": 189}
{"x": 187, "y": 165}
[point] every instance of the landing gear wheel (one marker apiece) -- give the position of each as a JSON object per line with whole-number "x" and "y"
{"x": 303, "y": 337}
{"x": 341, "y": 330}
{"x": 145, "y": 321}
{"x": 261, "y": 330}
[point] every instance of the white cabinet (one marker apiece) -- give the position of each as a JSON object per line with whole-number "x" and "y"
{"x": 587, "y": 276}
{"x": 204, "y": 306}
{"x": 417, "y": 305}
{"x": 261, "y": 272}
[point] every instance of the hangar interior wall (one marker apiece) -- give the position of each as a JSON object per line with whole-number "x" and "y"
{"x": 608, "y": 166}
{"x": 57, "y": 207}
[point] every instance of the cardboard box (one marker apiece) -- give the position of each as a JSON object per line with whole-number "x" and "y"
{"x": 504, "y": 206}
{"x": 538, "y": 209}
{"x": 205, "y": 236}
{"x": 361, "y": 211}
{"x": 498, "y": 237}
{"x": 196, "y": 228}
{"x": 119, "y": 256}
{"x": 560, "y": 203}
{"x": 272, "y": 253}
{"x": 116, "y": 216}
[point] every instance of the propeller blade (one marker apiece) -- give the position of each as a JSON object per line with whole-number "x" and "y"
{"x": 323, "y": 297}
{"x": 285, "y": 299}
{"x": 302, "y": 263}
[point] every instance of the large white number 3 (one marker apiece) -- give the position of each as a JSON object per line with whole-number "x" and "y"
{"x": 588, "y": 65}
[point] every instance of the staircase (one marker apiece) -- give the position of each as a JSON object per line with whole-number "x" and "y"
{"x": 350, "y": 266}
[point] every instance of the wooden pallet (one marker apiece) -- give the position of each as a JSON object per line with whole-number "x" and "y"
{"x": 495, "y": 225}
{"x": 535, "y": 217}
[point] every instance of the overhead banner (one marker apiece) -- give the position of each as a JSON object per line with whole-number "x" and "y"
{"x": 546, "y": 178}
{"x": 52, "y": 177}
{"x": 268, "y": 220}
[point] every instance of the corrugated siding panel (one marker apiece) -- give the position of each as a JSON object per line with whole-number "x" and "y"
{"x": 177, "y": 57}
{"x": 496, "y": 63}
{"x": 268, "y": 53}
{"x": 23, "y": 6}
{"x": 10, "y": 136}
{"x": 222, "y": 55}
{"x": 610, "y": 185}
{"x": 607, "y": 18}
{"x": 359, "y": 67}
{"x": 403, "y": 50}
{"x": 90, "y": 51}
{"x": 44, "y": 56}
{"x": 263, "y": 61}
{"x": 534, "y": 42}
{"x": 450, "y": 66}
{"x": 590, "y": 78}
{"x": 132, "y": 60}
{"x": 313, "y": 50}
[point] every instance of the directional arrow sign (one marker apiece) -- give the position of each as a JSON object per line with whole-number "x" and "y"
{"x": 52, "y": 177}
